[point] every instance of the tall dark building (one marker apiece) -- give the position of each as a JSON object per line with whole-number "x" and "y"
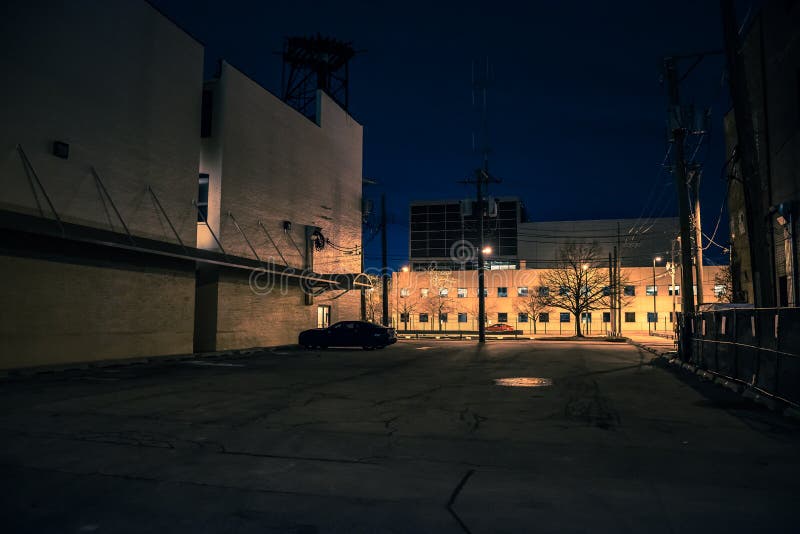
{"x": 445, "y": 233}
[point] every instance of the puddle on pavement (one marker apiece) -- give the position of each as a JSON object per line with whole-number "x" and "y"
{"x": 524, "y": 382}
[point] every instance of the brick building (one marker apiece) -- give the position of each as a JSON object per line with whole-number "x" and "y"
{"x": 107, "y": 178}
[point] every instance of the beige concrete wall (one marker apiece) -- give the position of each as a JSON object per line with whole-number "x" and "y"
{"x": 271, "y": 164}
{"x": 122, "y": 85}
{"x": 640, "y": 304}
{"x": 248, "y": 319}
{"x": 56, "y": 313}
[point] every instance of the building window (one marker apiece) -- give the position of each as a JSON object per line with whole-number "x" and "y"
{"x": 586, "y": 317}
{"x": 671, "y": 319}
{"x": 522, "y": 291}
{"x": 423, "y": 292}
{"x": 563, "y": 317}
{"x": 423, "y": 317}
{"x": 462, "y": 317}
{"x": 485, "y": 292}
{"x": 651, "y": 290}
{"x": 522, "y": 317}
{"x": 502, "y": 317}
{"x": 606, "y": 317}
{"x": 629, "y": 291}
{"x": 404, "y": 292}
{"x": 202, "y": 198}
{"x": 443, "y": 291}
{"x": 652, "y": 317}
{"x": 719, "y": 291}
{"x": 544, "y": 317}
{"x": 606, "y": 291}
{"x": 462, "y": 292}
{"x": 442, "y": 317}
{"x": 674, "y": 290}
{"x": 630, "y": 317}
{"x": 544, "y": 291}
{"x": 563, "y": 290}
{"x": 502, "y": 291}
{"x": 323, "y": 316}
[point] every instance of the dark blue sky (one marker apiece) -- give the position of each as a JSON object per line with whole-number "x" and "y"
{"x": 576, "y": 110}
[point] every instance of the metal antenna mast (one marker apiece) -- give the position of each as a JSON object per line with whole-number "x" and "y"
{"x": 481, "y": 177}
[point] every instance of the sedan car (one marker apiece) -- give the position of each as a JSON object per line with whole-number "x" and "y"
{"x": 349, "y": 334}
{"x": 500, "y": 327}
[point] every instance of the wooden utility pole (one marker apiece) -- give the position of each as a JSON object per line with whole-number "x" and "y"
{"x": 698, "y": 233}
{"x": 758, "y": 230}
{"x": 385, "y": 266}
{"x": 679, "y": 170}
{"x": 612, "y": 296}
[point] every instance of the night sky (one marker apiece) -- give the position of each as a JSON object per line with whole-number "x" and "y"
{"x": 576, "y": 109}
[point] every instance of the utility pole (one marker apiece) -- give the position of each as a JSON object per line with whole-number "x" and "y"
{"x": 672, "y": 288}
{"x": 758, "y": 230}
{"x": 698, "y": 233}
{"x": 679, "y": 169}
{"x": 612, "y": 296}
{"x": 385, "y": 266}
{"x": 618, "y": 281}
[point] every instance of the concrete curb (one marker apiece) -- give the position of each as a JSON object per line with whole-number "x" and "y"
{"x": 670, "y": 358}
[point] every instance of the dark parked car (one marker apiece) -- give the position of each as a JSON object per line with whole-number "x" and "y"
{"x": 349, "y": 334}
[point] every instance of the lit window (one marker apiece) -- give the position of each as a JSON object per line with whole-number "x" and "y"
{"x": 462, "y": 292}
{"x": 522, "y": 291}
{"x": 443, "y": 291}
{"x": 522, "y": 317}
{"x": 502, "y": 317}
{"x": 502, "y": 291}
{"x": 563, "y": 317}
{"x": 719, "y": 291}
{"x": 630, "y": 317}
{"x": 404, "y": 292}
{"x": 423, "y": 292}
{"x": 651, "y": 290}
{"x": 674, "y": 290}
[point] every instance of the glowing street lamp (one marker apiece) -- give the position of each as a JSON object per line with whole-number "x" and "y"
{"x": 487, "y": 250}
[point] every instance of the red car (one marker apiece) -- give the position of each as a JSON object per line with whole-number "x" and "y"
{"x": 500, "y": 327}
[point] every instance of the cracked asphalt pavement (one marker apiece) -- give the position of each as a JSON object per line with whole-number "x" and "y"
{"x": 414, "y": 438}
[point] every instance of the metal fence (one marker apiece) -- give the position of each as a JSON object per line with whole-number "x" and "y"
{"x": 757, "y": 347}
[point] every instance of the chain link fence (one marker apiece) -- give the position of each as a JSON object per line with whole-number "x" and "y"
{"x": 756, "y": 347}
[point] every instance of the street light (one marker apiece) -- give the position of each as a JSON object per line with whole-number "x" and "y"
{"x": 404, "y": 269}
{"x": 655, "y": 315}
{"x": 487, "y": 250}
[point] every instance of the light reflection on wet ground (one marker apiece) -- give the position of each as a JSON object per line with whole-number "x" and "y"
{"x": 523, "y": 382}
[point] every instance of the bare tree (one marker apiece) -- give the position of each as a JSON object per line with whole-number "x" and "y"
{"x": 373, "y": 299}
{"x": 439, "y": 301}
{"x": 406, "y": 306}
{"x": 724, "y": 279}
{"x": 578, "y": 283}
{"x": 532, "y": 304}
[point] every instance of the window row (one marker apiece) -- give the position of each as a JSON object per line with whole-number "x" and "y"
{"x": 542, "y": 291}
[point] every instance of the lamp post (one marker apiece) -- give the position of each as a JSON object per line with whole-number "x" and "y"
{"x": 655, "y": 291}
{"x": 404, "y": 269}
